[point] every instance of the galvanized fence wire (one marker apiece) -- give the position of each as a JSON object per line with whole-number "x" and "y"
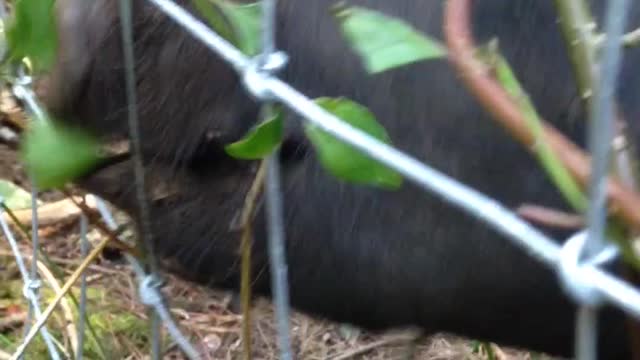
{"x": 269, "y": 63}
{"x": 149, "y": 282}
{"x": 150, "y": 297}
{"x": 263, "y": 85}
{"x": 584, "y": 280}
{"x": 600, "y": 134}
{"x": 82, "y": 307}
{"x": 149, "y": 285}
{"x": 28, "y": 290}
{"x": 22, "y": 90}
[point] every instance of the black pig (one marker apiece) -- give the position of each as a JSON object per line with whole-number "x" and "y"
{"x": 374, "y": 258}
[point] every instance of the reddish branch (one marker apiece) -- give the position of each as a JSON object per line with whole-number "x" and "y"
{"x": 623, "y": 201}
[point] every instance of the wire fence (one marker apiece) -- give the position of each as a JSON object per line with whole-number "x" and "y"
{"x": 585, "y": 281}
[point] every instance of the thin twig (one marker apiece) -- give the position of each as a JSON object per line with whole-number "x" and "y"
{"x": 94, "y": 219}
{"x": 632, "y": 38}
{"x": 248, "y": 211}
{"x": 58, "y": 272}
{"x": 64, "y": 304}
{"x": 51, "y": 213}
{"x": 63, "y": 291}
{"x": 372, "y": 346}
{"x": 550, "y": 217}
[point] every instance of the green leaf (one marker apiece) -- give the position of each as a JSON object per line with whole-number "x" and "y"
{"x": 246, "y": 20}
{"x": 385, "y": 42}
{"x": 216, "y": 19}
{"x": 240, "y": 24}
{"x": 343, "y": 160}
{"x": 54, "y": 154}
{"x": 14, "y": 196}
{"x": 33, "y": 33}
{"x": 260, "y": 141}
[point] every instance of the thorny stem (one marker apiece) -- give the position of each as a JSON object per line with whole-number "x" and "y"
{"x": 578, "y": 30}
{"x": 624, "y": 201}
{"x": 624, "y": 156}
{"x": 630, "y": 39}
{"x": 496, "y": 101}
{"x": 583, "y": 43}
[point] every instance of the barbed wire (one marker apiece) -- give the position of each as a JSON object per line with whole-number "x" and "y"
{"x": 589, "y": 285}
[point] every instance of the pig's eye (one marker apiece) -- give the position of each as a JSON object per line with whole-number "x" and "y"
{"x": 294, "y": 148}
{"x": 210, "y": 156}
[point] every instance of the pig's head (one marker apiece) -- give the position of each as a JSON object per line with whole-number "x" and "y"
{"x": 189, "y": 101}
{"x": 190, "y": 105}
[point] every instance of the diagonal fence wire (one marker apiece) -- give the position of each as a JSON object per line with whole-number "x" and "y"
{"x": 22, "y": 90}
{"x": 501, "y": 219}
{"x": 264, "y": 85}
{"x": 149, "y": 290}
{"x": 28, "y": 290}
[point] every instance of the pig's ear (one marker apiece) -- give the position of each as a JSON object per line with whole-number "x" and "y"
{"x": 82, "y": 26}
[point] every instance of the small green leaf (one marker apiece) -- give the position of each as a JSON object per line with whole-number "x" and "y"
{"x": 385, "y": 42}
{"x": 246, "y": 20}
{"x": 343, "y": 160}
{"x": 216, "y": 19}
{"x": 240, "y": 24}
{"x": 33, "y": 33}
{"x": 14, "y": 196}
{"x": 54, "y": 154}
{"x": 260, "y": 141}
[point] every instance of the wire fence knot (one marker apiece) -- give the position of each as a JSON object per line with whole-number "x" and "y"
{"x": 570, "y": 269}
{"x": 149, "y": 290}
{"x": 31, "y": 286}
{"x": 19, "y": 89}
{"x": 257, "y": 73}
{"x": 22, "y": 75}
